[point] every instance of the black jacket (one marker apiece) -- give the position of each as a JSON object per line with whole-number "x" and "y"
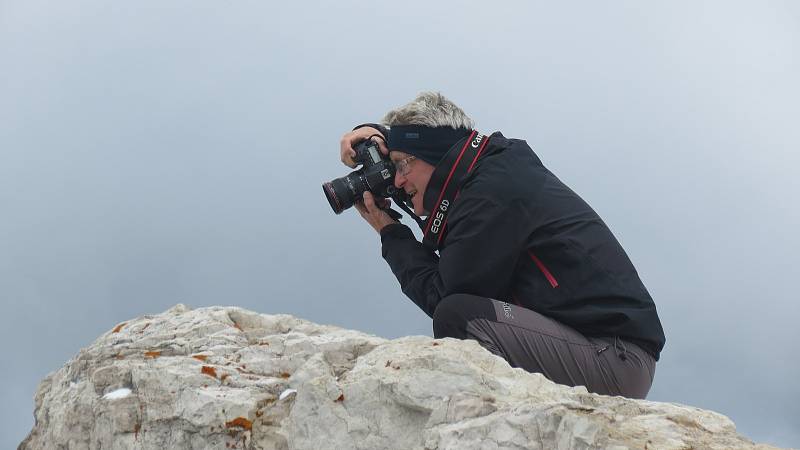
{"x": 516, "y": 233}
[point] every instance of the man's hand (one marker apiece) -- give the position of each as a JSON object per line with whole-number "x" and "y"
{"x": 351, "y": 138}
{"x": 374, "y": 215}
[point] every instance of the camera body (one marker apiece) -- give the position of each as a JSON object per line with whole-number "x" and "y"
{"x": 376, "y": 175}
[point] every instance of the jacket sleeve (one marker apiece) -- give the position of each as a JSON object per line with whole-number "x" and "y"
{"x": 415, "y": 267}
{"x": 383, "y": 129}
{"x": 484, "y": 240}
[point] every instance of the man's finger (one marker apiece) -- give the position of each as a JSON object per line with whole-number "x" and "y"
{"x": 360, "y": 207}
{"x": 346, "y": 151}
{"x": 369, "y": 201}
{"x": 382, "y": 145}
{"x": 348, "y": 160}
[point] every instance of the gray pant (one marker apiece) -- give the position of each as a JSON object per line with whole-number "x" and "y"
{"x": 529, "y": 340}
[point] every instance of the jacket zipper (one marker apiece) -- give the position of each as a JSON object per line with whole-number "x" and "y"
{"x": 544, "y": 270}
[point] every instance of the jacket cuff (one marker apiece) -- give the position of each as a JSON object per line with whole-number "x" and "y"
{"x": 384, "y": 130}
{"x": 396, "y": 231}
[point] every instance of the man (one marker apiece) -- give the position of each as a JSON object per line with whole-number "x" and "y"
{"x": 525, "y": 266}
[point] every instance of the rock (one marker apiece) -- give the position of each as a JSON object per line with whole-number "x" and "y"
{"x": 230, "y": 378}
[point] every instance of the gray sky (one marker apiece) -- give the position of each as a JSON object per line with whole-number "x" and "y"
{"x": 154, "y": 153}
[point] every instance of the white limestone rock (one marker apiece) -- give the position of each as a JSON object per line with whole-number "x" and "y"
{"x": 225, "y": 377}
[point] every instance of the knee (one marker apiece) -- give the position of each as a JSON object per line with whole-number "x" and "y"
{"x": 447, "y": 308}
{"x": 452, "y": 314}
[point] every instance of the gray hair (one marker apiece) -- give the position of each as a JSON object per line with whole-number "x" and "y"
{"x": 430, "y": 109}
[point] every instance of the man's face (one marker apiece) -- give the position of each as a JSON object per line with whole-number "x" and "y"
{"x": 414, "y": 181}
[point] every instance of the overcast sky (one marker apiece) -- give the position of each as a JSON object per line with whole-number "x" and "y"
{"x": 163, "y": 152}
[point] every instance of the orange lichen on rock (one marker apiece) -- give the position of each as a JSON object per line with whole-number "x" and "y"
{"x": 119, "y": 327}
{"x": 240, "y": 422}
{"x": 285, "y": 375}
{"x": 200, "y": 357}
{"x": 236, "y": 325}
{"x": 152, "y": 354}
{"x": 210, "y": 371}
{"x": 224, "y": 375}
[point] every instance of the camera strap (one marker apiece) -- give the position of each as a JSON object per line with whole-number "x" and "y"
{"x": 460, "y": 164}
{"x": 400, "y": 200}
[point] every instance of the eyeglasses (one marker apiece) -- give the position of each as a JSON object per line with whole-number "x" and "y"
{"x": 402, "y": 166}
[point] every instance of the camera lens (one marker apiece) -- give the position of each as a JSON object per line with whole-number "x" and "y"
{"x": 333, "y": 199}
{"x": 343, "y": 192}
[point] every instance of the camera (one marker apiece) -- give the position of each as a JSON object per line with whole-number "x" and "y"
{"x": 375, "y": 175}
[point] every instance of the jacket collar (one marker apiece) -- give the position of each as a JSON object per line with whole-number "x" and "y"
{"x": 443, "y": 170}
